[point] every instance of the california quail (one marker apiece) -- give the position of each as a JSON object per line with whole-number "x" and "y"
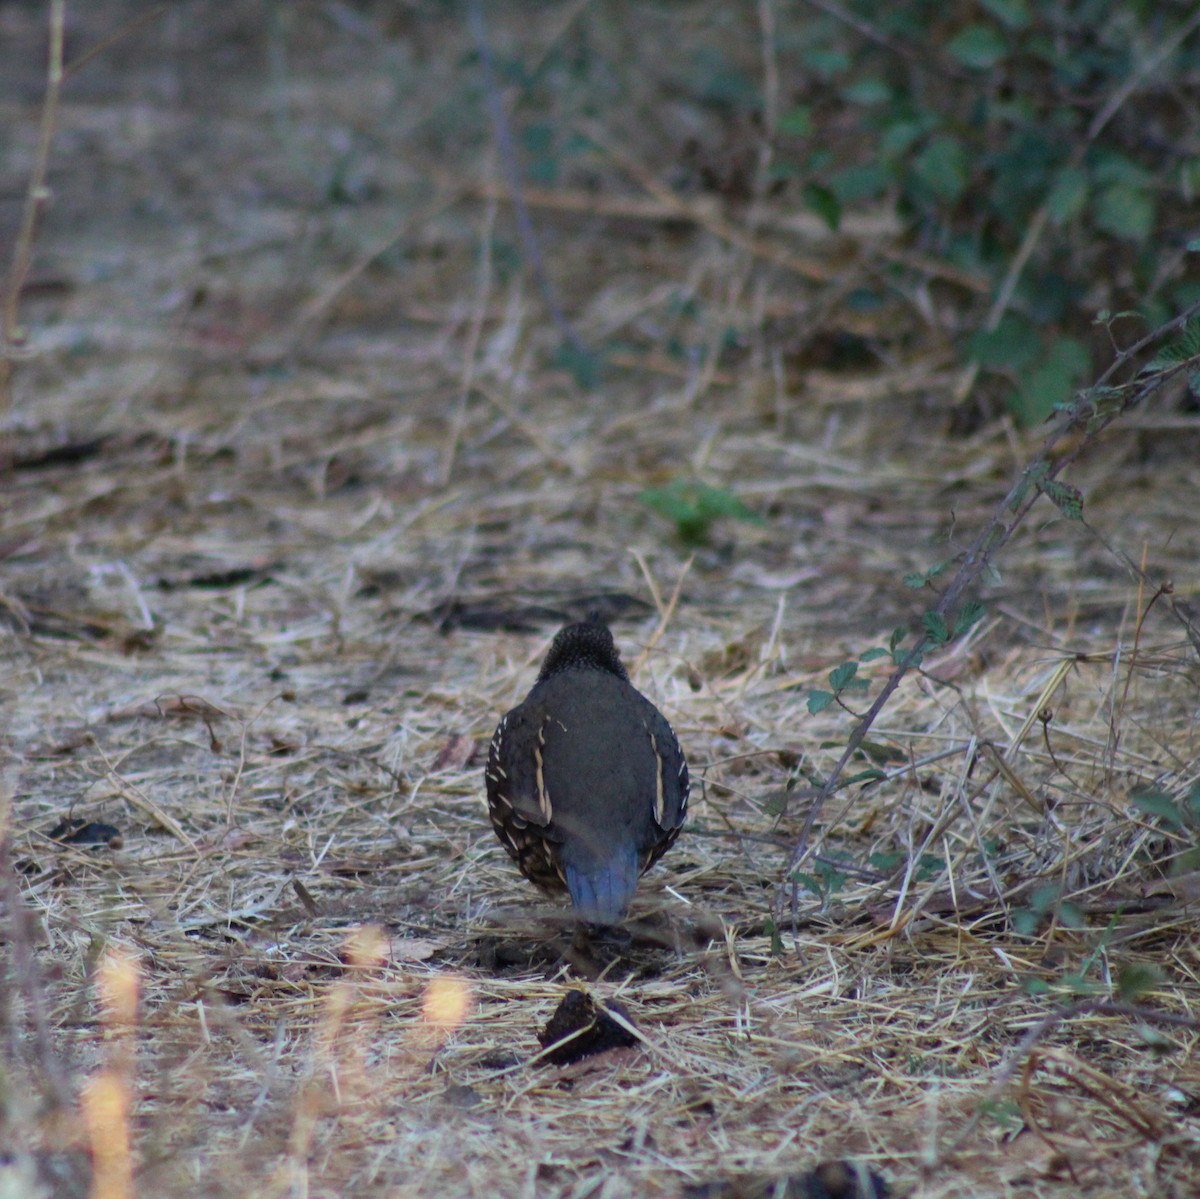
{"x": 586, "y": 783}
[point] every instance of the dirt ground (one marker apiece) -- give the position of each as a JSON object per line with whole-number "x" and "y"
{"x": 302, "y": 481}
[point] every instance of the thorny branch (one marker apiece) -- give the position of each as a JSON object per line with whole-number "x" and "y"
{"x": 1093, "y": 411}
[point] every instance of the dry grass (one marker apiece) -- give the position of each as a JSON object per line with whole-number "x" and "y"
{"x": 308, "y": 968}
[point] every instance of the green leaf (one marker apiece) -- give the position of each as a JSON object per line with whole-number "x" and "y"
{"x": 916, "y": 580}
{"x": 772, "y": 931}
{"x": 1191, "y": 801}
{"x": 864, "y": 182}
{"x": 873, "y": 655}
{"x": 586, "y": 366}
{"x": 1187, "y": 862}
{"x": 864, "y": 776}
{"x": 1157, "y": 1042}
{"x": 1013, "y": 13}
{"x": 899, "y": 655}
{"x": 541, "y": 158}
{"x": 1025, "y": 922}
{"x": 1044, "y": 898}
{"x": 1126, "y": 210}
{"x": 1004, "y": 1112}
{"x": 1068, "y": 195}
{"x": 867, "y": 92}
{"x": 1020, "y": 492}
{"x": 824, "y": 881}
{"x": 978, "y": 46}
{"x": 1183, "y": 347}
{"x": 1134, "y": 981}
{"x": 1010, "y": 347}
{"x": 929, "y": 866}
{"x": 818, "y": 701}
{"x": 821, "y": 200}
{"x": 1076, "y": 984}
{"x": 882, "y": 755}
{"x": 970, "y": 614}
{"x": 1112, "y": 166}
{"x": 776, "y": 804}
{"x": 1157, "y": 803}
{"x": 826, "y": 62}
{"x": 718, "y": 80}
{"x": 898, "y": 137}
{"x": 840, "y": 676}
{"x": 1051, "y": 385}
{"x": 935, "y": 627}
{"x": 796, "y": 122}
{"x": 942, "y": 168}
{"x": 1067, "y": 499}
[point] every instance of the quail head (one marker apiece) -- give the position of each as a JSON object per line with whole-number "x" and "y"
{"x": 586, "y": 784}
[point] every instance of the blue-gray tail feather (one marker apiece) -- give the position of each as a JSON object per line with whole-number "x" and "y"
{"x": 601, "y": 893}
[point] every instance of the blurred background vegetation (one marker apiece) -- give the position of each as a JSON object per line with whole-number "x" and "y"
{"x": 1048, "y": 153}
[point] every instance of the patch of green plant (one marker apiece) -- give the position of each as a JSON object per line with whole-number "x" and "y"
{"x": 825, "y": 880}
{"x": 844, "y": 680}
{"x": 918, "y": 579}
{"x": 929, "y": 865}
{"x": 899, "y": 635}
{"x": 1179, "y": 817}
{"x": 1044, "y": 903}
{"x": 1136, "y": 981}
{"x": 1004, "y": 1112}
{"x": 984, "y": 143}
{"x": 695, "y": 508}
{"x": 882, "y": 755}
{"x": 1161, "y": 805}
{"x": 772, "y": 931}
{"x": 585, "y": 366}
{"x": 1184, "y": 348}
{"x": 1131, "y": 982}
{"x": 1158, "y": 1043}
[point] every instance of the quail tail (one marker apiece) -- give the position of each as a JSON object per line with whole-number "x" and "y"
{"x": 601, "y": 891}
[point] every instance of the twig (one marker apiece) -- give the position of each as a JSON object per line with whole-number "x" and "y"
{"x": 23, "y": 971}
{"x": 664, "y": 613}
{"x": 139, "y": 799}
{"x": 512, "y": 173}
{"x": 483, "y": 289}
{"x": 11, "y": 338}
{"x": 118, "y": 35}
{"x": 315, "y": 307}
{"x": 1164, "y": 588}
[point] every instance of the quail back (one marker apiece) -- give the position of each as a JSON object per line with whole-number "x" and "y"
{"x": 587, "y": 786}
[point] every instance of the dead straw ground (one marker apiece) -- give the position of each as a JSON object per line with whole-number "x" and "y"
{"x": 264, "y": 440}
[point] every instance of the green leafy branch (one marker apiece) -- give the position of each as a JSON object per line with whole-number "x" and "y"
{"x": 1092, "y": 411}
